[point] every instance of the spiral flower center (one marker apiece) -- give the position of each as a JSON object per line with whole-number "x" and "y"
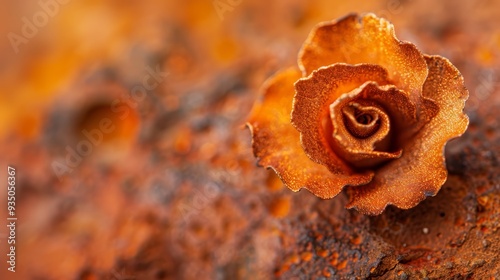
{"x": 360, "y": 121}
{"x": 364, "y": 118}
{"x": 363, "y": 123}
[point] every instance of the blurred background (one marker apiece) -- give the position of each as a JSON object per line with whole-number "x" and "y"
{"x": 125, "y": 123}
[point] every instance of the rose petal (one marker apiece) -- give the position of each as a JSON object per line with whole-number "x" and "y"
{"x": 361, "y": 120}
{"x": 311, "y": 107}
{"x": 365, "y": 39}
{"x": 394, "y": 101}
{"x": 395, "y": 113}
{"x": 421, "y": 171}
{"x": 361, "y": 152}
{"x": 277, "y": 144}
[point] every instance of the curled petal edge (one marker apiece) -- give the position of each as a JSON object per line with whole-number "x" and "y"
{"x": 367, "y": 39}
{"x": 421, "y": 171}
{"x": 276, "y": 143}
{"x": 311, "y": 107}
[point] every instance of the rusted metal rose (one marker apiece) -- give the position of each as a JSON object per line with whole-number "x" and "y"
{"x": 365, "y": 111}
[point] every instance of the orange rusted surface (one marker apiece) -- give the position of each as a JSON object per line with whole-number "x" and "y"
{"x": 125, "y": 121}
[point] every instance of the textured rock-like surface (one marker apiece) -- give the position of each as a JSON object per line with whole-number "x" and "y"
{"x": 174, "y": 193}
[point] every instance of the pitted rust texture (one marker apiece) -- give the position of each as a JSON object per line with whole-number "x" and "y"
{"x": 451, "y": 235}
{"x": 186, "y": 200}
